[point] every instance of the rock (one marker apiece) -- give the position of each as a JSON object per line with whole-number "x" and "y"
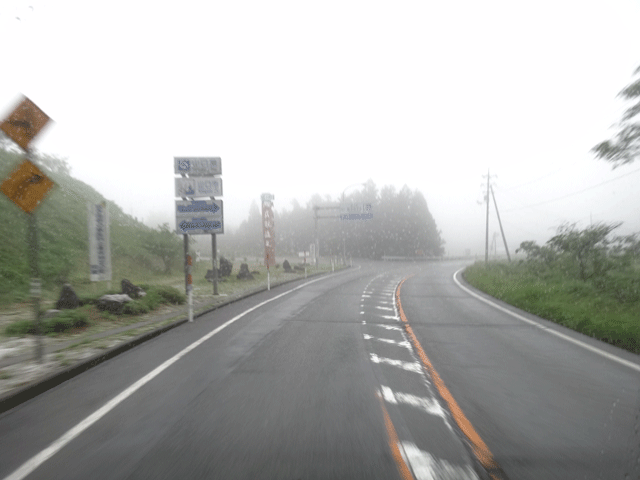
{"x": 209, "y": 275}
{"x": 225, "y": 267}
{"x": 113, "y": 303}
{"x": 130, "y": 289}
{"x": 244, "y": 273}
{"x": 287, "y": 266}
{"x": 68, "y": 298}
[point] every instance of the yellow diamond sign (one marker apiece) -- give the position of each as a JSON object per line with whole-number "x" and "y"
{"x": 27, "y": 186}
{"x": 24, "y": 123}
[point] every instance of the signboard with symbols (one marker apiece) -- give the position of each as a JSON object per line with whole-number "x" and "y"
{"x": 24, "y": 123}
{"x": 199, "y": 225}
{"x": 27, "y": 186}
{"x": 197, "y": 166}
{"x": 356, "y": 211}
{"x": 268, "y": 232}
{"x": 189, "y": 208}
{"x": 198, "y": 187}
{"x": 99, "y": 242}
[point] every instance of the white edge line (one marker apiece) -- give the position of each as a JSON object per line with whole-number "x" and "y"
{"x": 34, "y": 462}
{"x": 600, "y": 352}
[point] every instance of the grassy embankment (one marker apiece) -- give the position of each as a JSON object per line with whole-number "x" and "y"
{"x": 138, "y": 252}
{"x": 606, "y": 308}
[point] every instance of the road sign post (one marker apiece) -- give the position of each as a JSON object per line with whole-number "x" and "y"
{"x": 26, "y": 187}
{"x": 268, "y": 233}
{"x": 199, "y": 178}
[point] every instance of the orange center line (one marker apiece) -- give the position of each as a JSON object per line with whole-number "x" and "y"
{"x": 405, "y": 472}
{"x": 480, "y": 449}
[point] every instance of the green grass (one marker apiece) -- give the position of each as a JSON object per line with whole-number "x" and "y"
{"x": 578, "y": 305}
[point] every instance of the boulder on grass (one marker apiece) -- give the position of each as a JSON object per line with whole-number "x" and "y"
{"x": 225, "y": 267}
{"x": 130, "y": 289}
{"x": 113, "y": 303}
{"x": 244, "y": 274}
{"x": 287, "y": 266}
{"x": 68, "y": 298}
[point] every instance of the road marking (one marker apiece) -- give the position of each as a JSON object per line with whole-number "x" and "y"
{"x": 586, "y": 346}
{"x": 388, "y": 327}
{"x": 426, "y": 467}
{"x": 395, "y": 445}
{"x": 480, "y": 449}
{"x": 57, "y": 445}
{"x": 387, "y": 309}
{"x": 429, "y": 405}
{"x": 403, "y": 344}
{"x": 408, "y": 366}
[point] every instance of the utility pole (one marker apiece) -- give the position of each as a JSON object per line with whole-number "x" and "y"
{"x": 504, "y": 239}
{"x": 486, "y": 242}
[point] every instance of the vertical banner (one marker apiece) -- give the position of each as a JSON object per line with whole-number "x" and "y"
{"x": 268, "y": 230}
{"x": 99, "y": 242}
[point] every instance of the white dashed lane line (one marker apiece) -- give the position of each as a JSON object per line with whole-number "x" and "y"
{"x": 381, "y": 341}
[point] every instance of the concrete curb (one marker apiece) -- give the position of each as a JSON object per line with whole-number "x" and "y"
{"x": 26, "y": 393}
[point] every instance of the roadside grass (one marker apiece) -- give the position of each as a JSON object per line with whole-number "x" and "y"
{"x": 579, "y": 305}
{"x": 165, "y": 290}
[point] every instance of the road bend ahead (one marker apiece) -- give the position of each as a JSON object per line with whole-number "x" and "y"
{"x": 335, "y": 378}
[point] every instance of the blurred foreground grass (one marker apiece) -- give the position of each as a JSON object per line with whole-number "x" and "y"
{"x": 572, "y": 303}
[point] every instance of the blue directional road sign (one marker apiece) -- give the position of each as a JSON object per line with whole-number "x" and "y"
{"x": 199, "y": 225}
{"x": 209, "y": 208}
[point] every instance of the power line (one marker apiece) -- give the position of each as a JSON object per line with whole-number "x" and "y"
{"x": 574, "y": 193}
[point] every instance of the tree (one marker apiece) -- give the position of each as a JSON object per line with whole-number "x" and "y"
{"x": 625, "y": 147}
{"x": 587, "y": 249}
{"x": 165, "y": 244}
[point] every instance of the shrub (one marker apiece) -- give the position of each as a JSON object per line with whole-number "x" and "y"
{"x": 135, "y": 307}
{"x": 60, "y": 323}
{"x": 171, "y": 295}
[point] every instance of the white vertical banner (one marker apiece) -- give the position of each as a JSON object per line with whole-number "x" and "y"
{"x": 99, "y": 242}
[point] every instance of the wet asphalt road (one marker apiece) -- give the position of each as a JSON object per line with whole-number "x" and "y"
{"x": 322, "y": 383}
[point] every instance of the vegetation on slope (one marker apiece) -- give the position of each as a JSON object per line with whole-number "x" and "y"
{"x": 138, "y": 252}
{"x": 582, "y": 279}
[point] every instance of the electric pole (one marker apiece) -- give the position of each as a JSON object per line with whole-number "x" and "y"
{"x": 504, "y": 239}
{"x": 486, "y": 242}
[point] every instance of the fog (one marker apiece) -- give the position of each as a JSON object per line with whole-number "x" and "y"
{"x": 300, "y": 98}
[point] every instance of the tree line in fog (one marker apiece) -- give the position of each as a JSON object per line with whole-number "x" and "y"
{"x": 401, "y": 226}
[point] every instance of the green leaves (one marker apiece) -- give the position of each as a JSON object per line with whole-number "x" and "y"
{"x": 625, "y": 146}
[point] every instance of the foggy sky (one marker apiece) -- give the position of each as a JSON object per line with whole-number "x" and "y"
{"x": 311, "y": 97}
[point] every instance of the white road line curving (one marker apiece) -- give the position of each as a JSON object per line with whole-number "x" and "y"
{"x": 586, "y": 346}
{"x": 38, "y": 459}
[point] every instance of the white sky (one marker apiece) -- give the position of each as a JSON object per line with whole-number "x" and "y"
{"x": 302, "y": 97}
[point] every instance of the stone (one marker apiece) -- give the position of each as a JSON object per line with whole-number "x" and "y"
{"x": 287, "y": 266}
{"x": 68, "y": 298}
{"x": 130, "y": 289}
{"x": 244, "y": 274}
{"x": 225, "y": 267}
{"x": 113, "y": 303}
{"x": 209, "y": 275}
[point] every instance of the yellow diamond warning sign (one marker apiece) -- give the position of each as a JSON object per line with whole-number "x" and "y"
{"x": 24, "y": 123}
{"x": 27, "y": 186}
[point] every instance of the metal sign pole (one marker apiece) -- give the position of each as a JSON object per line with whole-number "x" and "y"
{"x": 32, "y": 242}
{"x": 214, "y": 253}
{"x": 188, "y": 286}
